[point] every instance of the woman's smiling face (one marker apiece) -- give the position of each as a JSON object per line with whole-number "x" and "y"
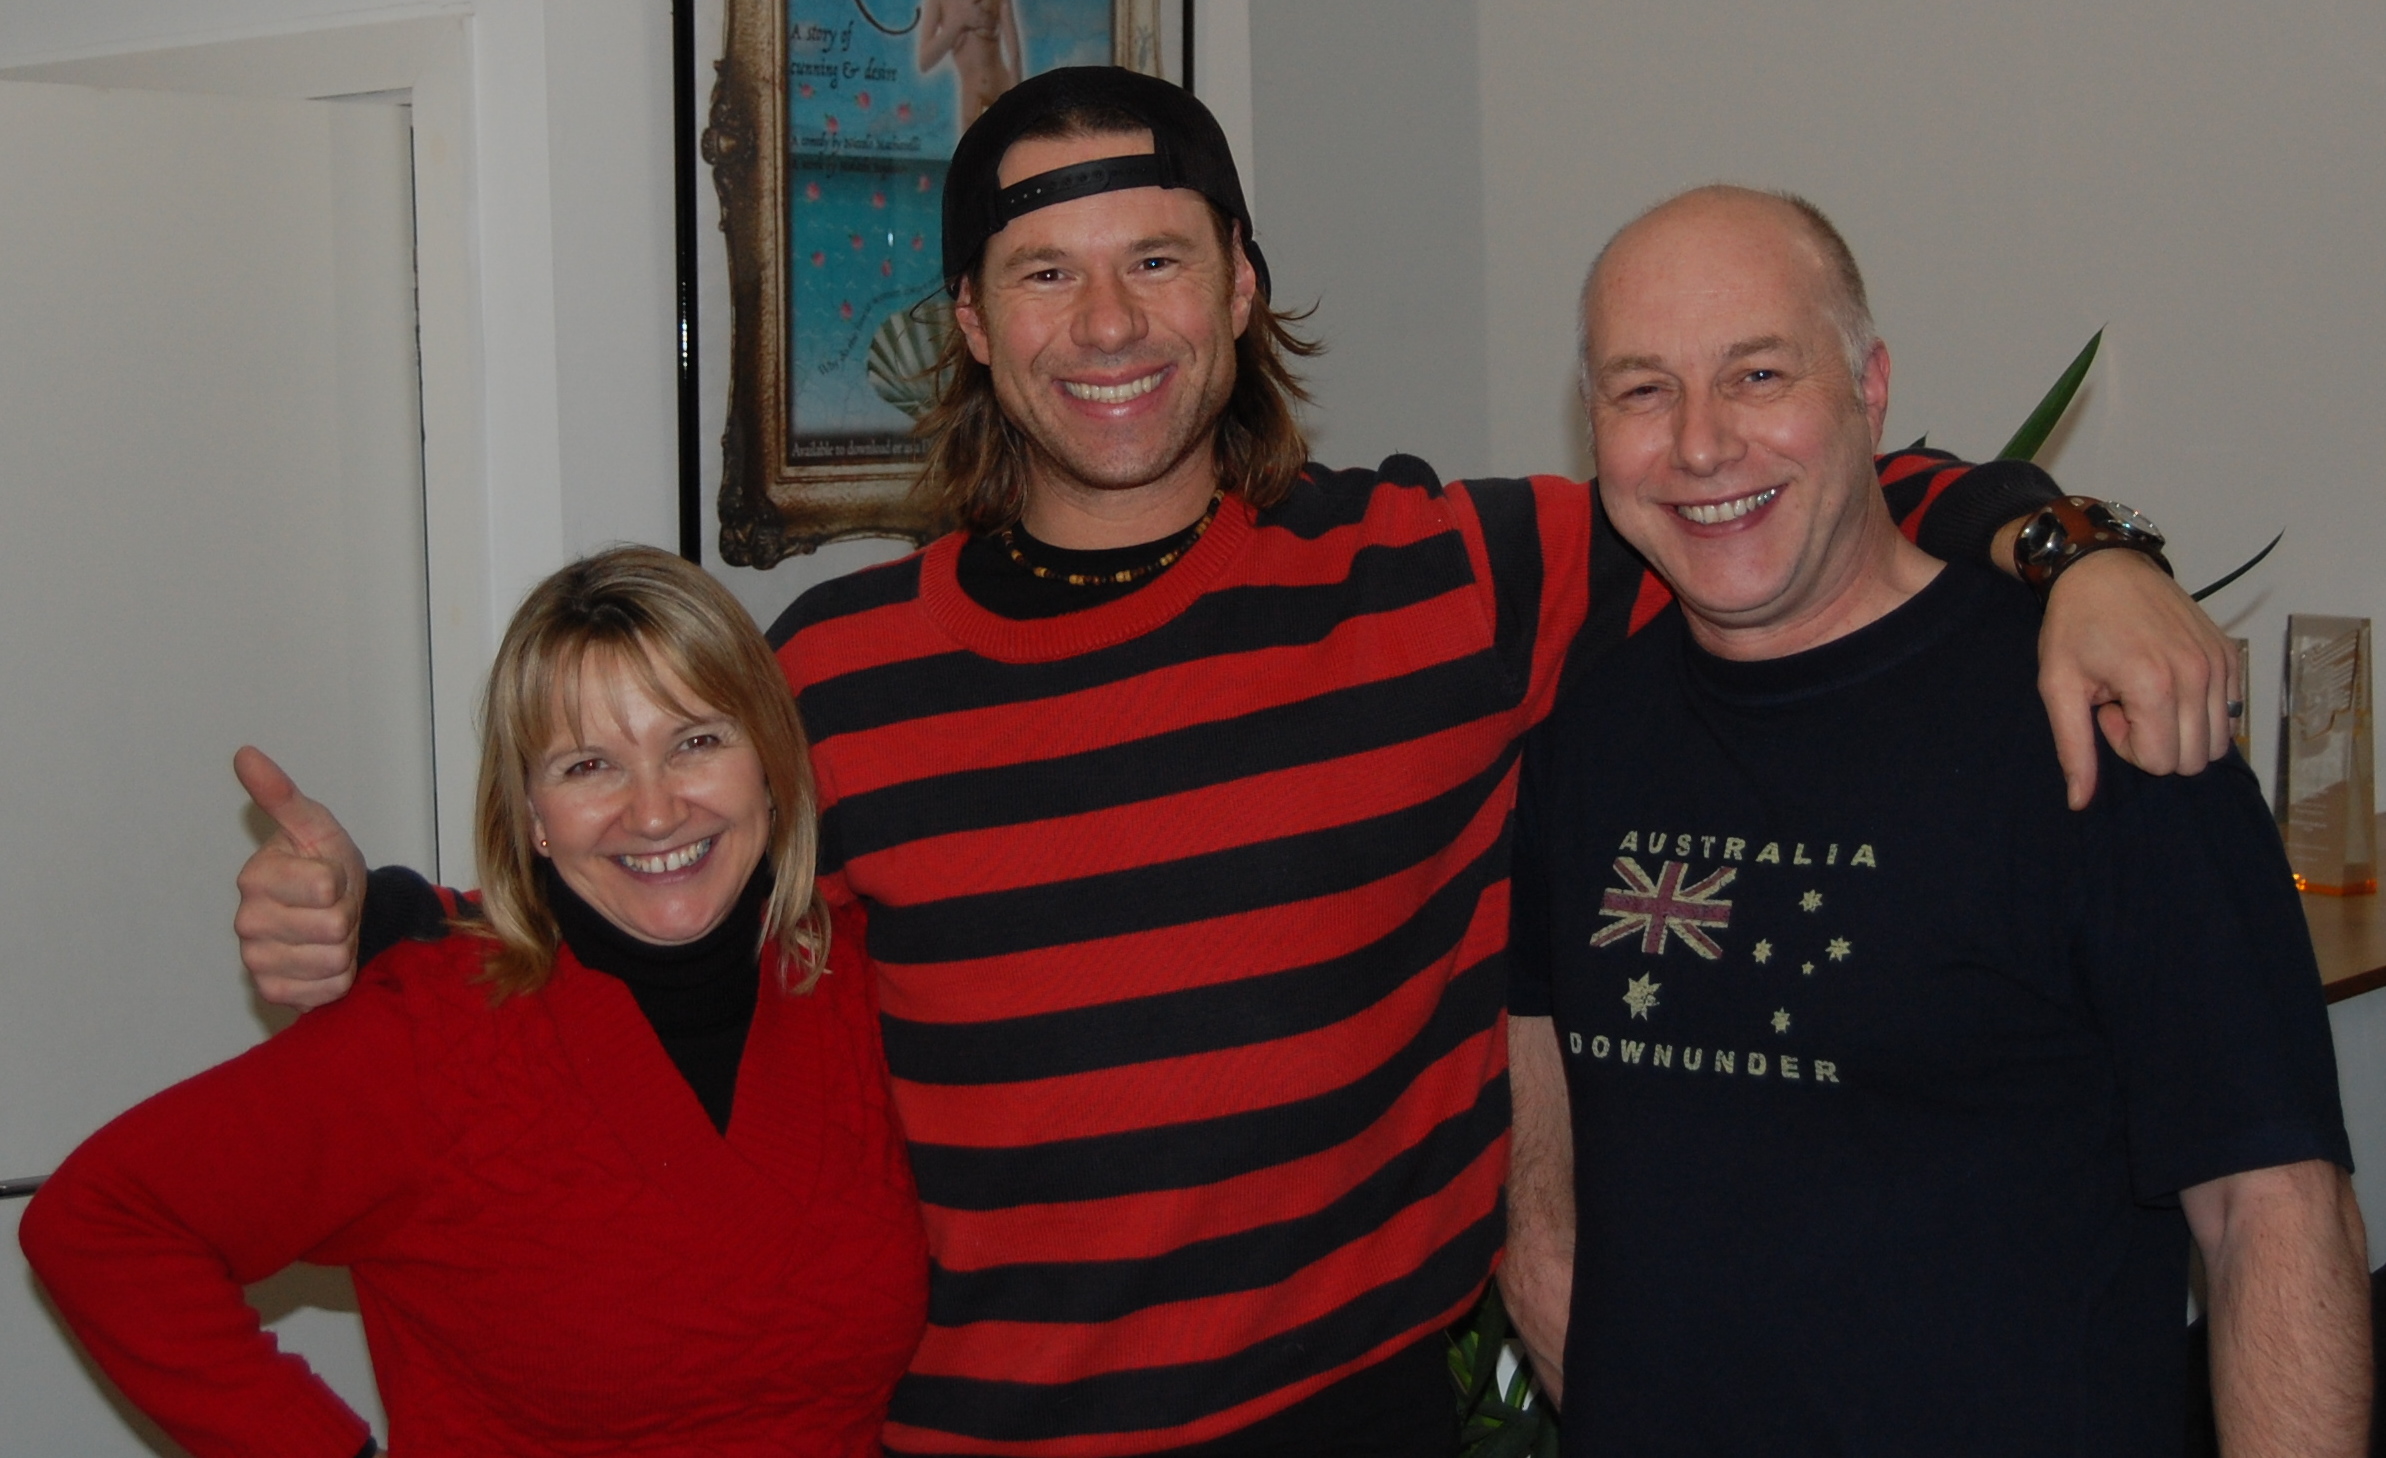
{"x": 656, "y": 816}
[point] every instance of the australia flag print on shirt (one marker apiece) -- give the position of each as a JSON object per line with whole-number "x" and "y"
{"x": 1652, "y": 909}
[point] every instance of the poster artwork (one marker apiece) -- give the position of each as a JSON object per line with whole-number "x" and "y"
{"x": 877, "y": 94}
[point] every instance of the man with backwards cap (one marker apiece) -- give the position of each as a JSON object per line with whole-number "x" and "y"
{"x": 1174, "y": 789}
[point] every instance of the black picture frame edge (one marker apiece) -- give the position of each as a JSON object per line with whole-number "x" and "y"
{"x": 683, "y": 200}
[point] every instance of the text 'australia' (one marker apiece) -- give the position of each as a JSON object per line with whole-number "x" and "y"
{"x": 1736, "y": 848}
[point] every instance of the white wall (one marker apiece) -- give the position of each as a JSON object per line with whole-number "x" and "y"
{"x": 33, "y": 31}
{"x": 1369, "y": 171}
{"x": 610, "y": 178}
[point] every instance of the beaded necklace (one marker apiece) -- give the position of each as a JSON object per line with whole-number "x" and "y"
{"x": 1009, "y": 542}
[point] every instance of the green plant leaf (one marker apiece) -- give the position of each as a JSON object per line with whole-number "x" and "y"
{"x": 1496, "y": 1420}
{"x": 1520, "y": 1385}
{"x": 1486, "y": 1335}
{"x": 2041, "y": 424}
{"x": 2247, "y": 566}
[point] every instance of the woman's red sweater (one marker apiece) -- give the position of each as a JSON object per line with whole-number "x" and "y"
{"x": 553, "y": 1250}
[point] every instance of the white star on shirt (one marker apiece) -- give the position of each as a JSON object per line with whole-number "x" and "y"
{"x": 1811, "y": 901}
{"x": 1839, "y": 949}
{"x": 1640, "y": 994}
{"x": 1763, "y": 952}
{"x": 1781, "y": 1020}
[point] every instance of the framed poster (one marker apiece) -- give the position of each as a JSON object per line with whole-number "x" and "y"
{"x": 832, "y": 123}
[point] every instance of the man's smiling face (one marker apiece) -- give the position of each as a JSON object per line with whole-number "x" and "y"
{"x": 1109, "y": 325}
{"x": 1734, "y": 448}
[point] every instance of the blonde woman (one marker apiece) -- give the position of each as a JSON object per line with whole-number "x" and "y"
{"x": 612, "y": 1162}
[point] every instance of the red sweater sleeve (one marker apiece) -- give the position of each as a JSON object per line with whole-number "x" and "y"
{"x": 300, "y": 1148}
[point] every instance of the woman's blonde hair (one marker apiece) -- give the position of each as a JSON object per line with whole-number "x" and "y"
{"x": 651, "y": 614}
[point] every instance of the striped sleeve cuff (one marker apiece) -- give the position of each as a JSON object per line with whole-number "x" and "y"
{"x": 1962, "y": 523}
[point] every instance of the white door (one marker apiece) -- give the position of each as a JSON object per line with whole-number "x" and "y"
{"x": 211, "y": 533}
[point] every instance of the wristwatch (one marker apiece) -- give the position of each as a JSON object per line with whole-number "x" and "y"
{"x": 2070, "y": 527}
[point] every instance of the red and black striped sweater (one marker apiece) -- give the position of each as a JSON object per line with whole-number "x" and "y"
{"x": 1190, "y": 911}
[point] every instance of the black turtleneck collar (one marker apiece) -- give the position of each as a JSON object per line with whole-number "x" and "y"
{"x": 599, "y": 944}
{"x": 699, "y": 996}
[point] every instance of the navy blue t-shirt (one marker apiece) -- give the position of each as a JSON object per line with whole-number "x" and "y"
{"x": 1885, "y": 1067}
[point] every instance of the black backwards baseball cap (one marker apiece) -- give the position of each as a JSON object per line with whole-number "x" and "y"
{"x": 1188, "y": 151}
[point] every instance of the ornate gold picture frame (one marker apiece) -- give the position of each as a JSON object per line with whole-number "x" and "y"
{"x": 831, "y": 122}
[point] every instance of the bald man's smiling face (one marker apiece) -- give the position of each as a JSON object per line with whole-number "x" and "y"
{"x": 1735, "y": 450}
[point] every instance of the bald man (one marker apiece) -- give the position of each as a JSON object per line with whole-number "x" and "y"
{"x": 1893, "y": 1093}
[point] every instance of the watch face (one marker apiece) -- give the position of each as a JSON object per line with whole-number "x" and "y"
{"x": 2130, "y": 519}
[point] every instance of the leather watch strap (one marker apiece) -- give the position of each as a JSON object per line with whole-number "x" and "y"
{"x": 2071, "y": 527}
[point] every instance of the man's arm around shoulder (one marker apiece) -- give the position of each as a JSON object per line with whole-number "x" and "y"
{"x": 2289, "y": 1282}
